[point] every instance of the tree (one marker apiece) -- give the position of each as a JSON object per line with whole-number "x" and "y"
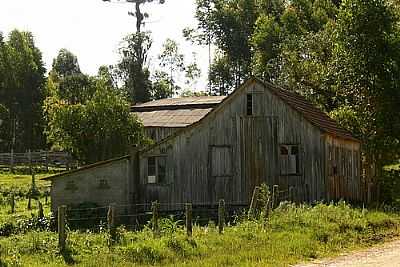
{"x": 172, "y": 60}
{"x": 221, "y": 76}
{"x": 161, "y": 87}
{"x": 366, "y": 60}
{"x": 99, "y": 129}
{"x": 132, "y": 67}
{"x": 132, "y": 70}
{"x": 65, "y": 64}
{"x": 68, "y": 82}
{"x": 192, "y": 73}
{"x": 21, "y": 88}
{"x": 230, "y": 25}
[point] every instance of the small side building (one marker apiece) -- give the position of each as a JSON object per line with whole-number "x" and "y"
{"x": 258, "y": 134}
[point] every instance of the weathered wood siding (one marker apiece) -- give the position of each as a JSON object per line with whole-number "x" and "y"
{"x": 199, "y": 158}
{"x": 343, "y": 170}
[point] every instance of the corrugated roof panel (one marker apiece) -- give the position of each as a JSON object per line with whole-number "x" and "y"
{"x": 172, "y": 118}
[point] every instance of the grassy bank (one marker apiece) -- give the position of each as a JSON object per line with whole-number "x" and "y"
{"x": 291, "y": 235}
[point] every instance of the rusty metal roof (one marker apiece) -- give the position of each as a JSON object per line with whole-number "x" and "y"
{"x": 182, "y": 112}
{"x": 314, "y": 115}
{"x": 169, "y": 103}
{"x": 175, "y": 112}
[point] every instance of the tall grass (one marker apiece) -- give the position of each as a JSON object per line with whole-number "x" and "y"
{"x": 291, "y": 234}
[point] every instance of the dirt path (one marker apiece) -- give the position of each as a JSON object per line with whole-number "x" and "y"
{"x": 387, "y": 255}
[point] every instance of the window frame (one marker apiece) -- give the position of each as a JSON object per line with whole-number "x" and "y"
{"x": 289, "y": 149}
{"x": 157, "y": 179}
{"x": 250, "y": 108}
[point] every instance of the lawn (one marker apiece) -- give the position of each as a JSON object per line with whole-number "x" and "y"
{"x": 291, "y": 234}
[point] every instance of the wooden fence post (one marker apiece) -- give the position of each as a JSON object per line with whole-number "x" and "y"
{"x": 61, "y": 228}
{"x": 30, "y": 160}
{"x": 189, "y": 225}
{"x": 254, "y": 200}
{"x": 12, "y": 202}
{"x": 154, "y": 208}
{"x": 275, "y": 196}
{"x": 291, "y": 194}
{"x": 221, "y": 216}
{"x": 12, "y": 161}
{"x": 40, "y": 213}
{"x": 29, "y": 202}
{"x": 111, "y": 223}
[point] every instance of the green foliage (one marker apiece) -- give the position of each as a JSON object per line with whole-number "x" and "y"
{"x": 21, "y": 91}
{"x": 98, "y": 129}
{"x": 366, "y": 65}
{"x": 66, "y": 64}
{"x": 132, "y": 69}
{"x": 162, "y": 87}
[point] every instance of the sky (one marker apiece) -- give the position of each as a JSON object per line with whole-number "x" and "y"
{"x": 93, "y": 29}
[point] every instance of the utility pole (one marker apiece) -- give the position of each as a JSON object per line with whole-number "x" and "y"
{"x": 138, "y": 13}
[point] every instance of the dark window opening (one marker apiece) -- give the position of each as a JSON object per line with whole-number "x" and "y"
{"x": 156, "y": 170}
{"x": 290, "y": 159}
{"x": 249, "y": 106}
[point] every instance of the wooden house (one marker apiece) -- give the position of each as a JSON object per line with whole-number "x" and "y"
{"x": 221, "y": 148}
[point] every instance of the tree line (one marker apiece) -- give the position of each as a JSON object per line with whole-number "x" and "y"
{"x": 342, "y": 55}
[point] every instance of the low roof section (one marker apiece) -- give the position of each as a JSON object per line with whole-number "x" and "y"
{"x": 176, "y": 112}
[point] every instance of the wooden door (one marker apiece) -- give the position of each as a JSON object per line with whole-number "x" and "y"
{"x": 258, "y": 143}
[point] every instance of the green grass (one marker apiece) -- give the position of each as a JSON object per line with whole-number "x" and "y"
{"x": 20, "y": 185}
{"x": 291, "y": 235}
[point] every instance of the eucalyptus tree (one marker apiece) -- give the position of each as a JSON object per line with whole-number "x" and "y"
{"x": 21, "y": 88}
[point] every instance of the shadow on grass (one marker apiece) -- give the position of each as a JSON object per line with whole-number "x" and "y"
{"x": 67, "y": 255}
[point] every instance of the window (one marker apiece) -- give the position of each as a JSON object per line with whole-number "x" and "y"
{"x": 249, "y": 105}
{"x": 156, "y": 170}
{"x": 289, "y": 159}
{"x": 151, "y": 170}
{"x": 221, "y": 161}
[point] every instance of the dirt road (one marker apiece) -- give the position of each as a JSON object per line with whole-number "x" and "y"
{"x": 387, "y": 255}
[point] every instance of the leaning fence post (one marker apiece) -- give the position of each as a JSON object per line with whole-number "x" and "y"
{"x": 221, "y": 216}
{"x": 154, "y": 208}
{"x": 12, "y": 202}
{"x": 189, "y": 225}
{"x": 61, "y": 228}
{"x": 111, "y": 223}
{"x": 254, "y": 200}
